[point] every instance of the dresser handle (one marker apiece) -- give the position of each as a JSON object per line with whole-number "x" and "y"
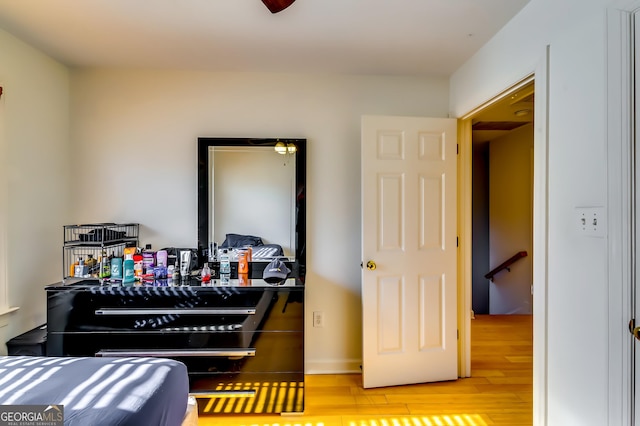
{"x": 176, "y": 311}
{"x": 176, "y": 353}
{"x": 223, "y": 394}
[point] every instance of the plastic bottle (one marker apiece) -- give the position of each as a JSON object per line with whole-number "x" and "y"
{"x": 81, "y": 268}
{"x": 128, "y": 276}
{"x": 243, "y": 280}
{"x": 162, "y": 258}
{"x": 225, "y": 279}
{"x": 91, "y": 265}
{"x": 225, "y": 264}
{"x": 213, "y": 252}
{"x": 148, "y": 261}
{"x": 72, "y": 268}
{"x": 170, "y": 271}
{"x": 206, "y": 273}
{"x": 137, "y": 265}
{"x": 105, "y": 266}
{"x": 176, "y": 272}
{"x": 243, "y": 264}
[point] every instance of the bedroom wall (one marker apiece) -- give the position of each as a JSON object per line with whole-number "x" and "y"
{"x": 577, "y": 285}
{"x": 134, "y": 159}
{"x": 35, "y": 164}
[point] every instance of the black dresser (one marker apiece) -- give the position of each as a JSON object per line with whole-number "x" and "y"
{"x": 242, "y": 340}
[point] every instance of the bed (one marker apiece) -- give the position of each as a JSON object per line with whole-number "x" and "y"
{"x": 99, "y": 391}
{"x": 260, "y": 250}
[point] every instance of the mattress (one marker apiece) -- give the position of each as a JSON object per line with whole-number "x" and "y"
{"x": 99, "y": 391}
{"x": 266, "y": 251}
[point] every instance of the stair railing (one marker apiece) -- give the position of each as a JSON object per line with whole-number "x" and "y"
{"x": 506, "y": 264}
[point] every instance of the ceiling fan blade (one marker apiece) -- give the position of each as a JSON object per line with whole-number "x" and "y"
{"x": 276, "y": 6}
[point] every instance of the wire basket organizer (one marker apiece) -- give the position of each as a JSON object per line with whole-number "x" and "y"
{"x": 90, "y": 241}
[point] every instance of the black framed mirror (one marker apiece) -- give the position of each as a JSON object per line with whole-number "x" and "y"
{"x": 253, "y": 187}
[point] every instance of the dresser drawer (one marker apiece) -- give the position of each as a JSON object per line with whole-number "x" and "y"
{"x": 244, "y": 393}
{"x": 171, "y": 310}
{"x": 200, "y": 351}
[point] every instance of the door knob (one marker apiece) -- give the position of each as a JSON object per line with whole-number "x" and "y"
{"x": 634, "y": 330}
{"x": 371, "y": 265}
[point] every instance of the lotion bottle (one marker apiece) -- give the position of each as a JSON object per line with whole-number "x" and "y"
{"x": 243, "y": 264}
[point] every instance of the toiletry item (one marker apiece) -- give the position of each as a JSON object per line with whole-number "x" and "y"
{"x": 72, "y": 268}
{"x": 92, "y": 266}
{"x": 148, "y": 261}
{"x": 137, "y": 265}
{"x": 129, "y": 250}
{"x": 243, "y": 280}
{"x": 225, "y": 264}
{"x": 225, "y": 279}
{"x": 105, "y": 266}
{"x": 162, "y": 258}
{"x": 185, "y": 263}
{"x": 205, "y": 274}
{"x": 160, "y": 272}
{"x": 116, "y": 268}
{"x": 81, "y": 268}
{"x": 243, "y": 264}
{"x": 170, "y": 271}
{"x": 128, "y": 276}
{"x": 176, "y": 272}
{"x": 213, "y": 252}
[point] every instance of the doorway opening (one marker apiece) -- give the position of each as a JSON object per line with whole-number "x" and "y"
{"x": 496, "y": 210}
{"x": 502, "y": 205}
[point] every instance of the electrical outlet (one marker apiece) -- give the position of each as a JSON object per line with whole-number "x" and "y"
{"x": 590, "y": 221}
{"x": 318, "y": 319}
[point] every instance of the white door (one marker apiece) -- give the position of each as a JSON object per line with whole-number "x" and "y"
{"x": 409, "y": 250}
{"x": 635, "y": 289}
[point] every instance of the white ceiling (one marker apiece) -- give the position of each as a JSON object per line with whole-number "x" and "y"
{"x": 389, "y": 37}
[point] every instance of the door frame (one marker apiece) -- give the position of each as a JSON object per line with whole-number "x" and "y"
{"x": 621, "y": 195}
{"x": 540, "y": 234}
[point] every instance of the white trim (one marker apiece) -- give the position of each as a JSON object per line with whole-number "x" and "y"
{"x": 8, "y": 310}
{"x": 465, "y": 215}
{"x": 620, "y": 195}
{"x": 502, "y": 95}
{"x": 333, "y": 366}
{"x": 540, "y": 240}
{"x": 4, "y": 211}
{"x": 465, "y": 218}
{"x": 540, "y": 234}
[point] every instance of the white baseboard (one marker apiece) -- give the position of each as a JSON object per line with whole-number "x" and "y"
{"x": 337, "y": 366}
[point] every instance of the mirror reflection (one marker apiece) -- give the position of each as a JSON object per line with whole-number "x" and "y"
{"x": 251, "y": 192}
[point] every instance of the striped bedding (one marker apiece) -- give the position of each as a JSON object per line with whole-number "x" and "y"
{"x": 99, "y": 391}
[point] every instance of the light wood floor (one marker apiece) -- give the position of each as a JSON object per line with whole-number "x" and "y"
{"x": 498, "y": 393}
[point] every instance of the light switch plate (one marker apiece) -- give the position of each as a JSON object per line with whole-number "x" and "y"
{"x": 591, "y": 221}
